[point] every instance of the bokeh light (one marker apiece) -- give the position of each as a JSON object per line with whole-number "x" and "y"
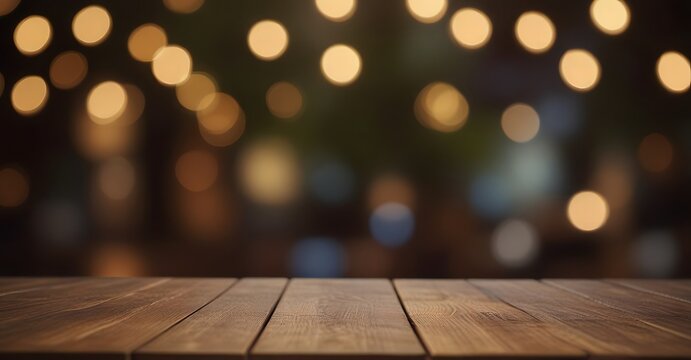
{"x": 7, "y": 6}
{"x": 14, "y": 187}
{"x": 220, "y": 115}
{"x": 269, "y": 172}
{"x": 145, "y": 41}
{"x": 114, "y": 259}
{"x": 471, "y": 28}
{"x": 440, "y": 106}
{"x": 674, "y": 72}
{"x": 106, "y": 102}
{"x": 579, "y": 69}
{"x": 610, "y": 16}
{"x": 341, "y": 64}
{"x": 515, "y": 243}
{"x": 29, "y": 95}
{"x": 197, "y": 93}
{"x": 116, "y": 178}
{"x": 68, "y": 70}
{"x": 392, "y": 224}
{"x": 388, "y": 188}
{"x": 655, "y": 153}
{"x": 490, "y": 195}
{"x": 172, "y": 65}
{"x": 91, "y": 26}
{"x": 655, "y": 254}
{"x": 32, "y": 35}
{"x": 267, "y": 40}
{"x": 284, "y": 100}
{"x": 520, "y": 122}
{"x": 427, "y": 11}
{"x": 336, "y": 10}
{"x": 196, "y": 170}
{"x": 183, "y": 6}
{"x": 318, "y": 257}
{"x": 535, "y": 32}
{"x": 587, "y": 211}
{"x": 102, "y": 141}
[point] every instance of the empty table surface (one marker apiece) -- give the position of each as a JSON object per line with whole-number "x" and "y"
{"x": 339, "y": 319}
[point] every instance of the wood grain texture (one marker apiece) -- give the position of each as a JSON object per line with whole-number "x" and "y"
{"x": 599, "y": 330}
{"x": 98, "y": 318}
{"x": 659, "y": 311}
{"x": 223, "y": 329}
{"x": 338, "y": 319}
{"x": 456, "y": 320}
{"x": 676, "y": 289}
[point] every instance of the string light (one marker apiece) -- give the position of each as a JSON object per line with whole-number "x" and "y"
{"x": 32, "y": 35}
{"x": 172, "y": 65}
{"x": 579, "y": 69}
{"x": 336, "y": 10}
{"x": 341, "y": 64}
{"x": 471, "y": 28}
{"x": 267, "y": 40}
{"x": 91, "y": 26}
{"x": 145, "y": 41}
{"x": 29, "y": 95}
{"x": 68, "y": 70}
{"x": 427, "y": 11}
{"x": 535, "y": 32}
{"x": 674, "y": 72}
{"x": 610, "y": 16}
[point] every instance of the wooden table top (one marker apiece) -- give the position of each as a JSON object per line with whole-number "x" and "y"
{"x": 338, "y": 319}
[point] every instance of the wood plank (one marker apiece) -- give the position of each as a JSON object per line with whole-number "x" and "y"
{"x": 107, "y": 326}
{"x": 456, "y": 320}
{"x": 599, "y": 330}
{"x": 12, "y": 285}
{"x": 676, "y": 289}
{"x": 225, "y": 328}
{"x": 663, "y": 312}
{"x": 338, "y": 319}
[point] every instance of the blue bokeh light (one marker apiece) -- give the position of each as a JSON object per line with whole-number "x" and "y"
{"x": 392, "y": 224}
{"x": 318, "y": 257}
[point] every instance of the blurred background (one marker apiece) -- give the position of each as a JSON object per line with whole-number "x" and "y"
{"x": 397, "y": 138}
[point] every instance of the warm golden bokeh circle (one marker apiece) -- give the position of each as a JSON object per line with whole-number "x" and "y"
{"x": 117, "y": 178}
{"x": 269, "y": 172}
{"x": 172, "y": 65}
{"x": 336, "y": 10}
{"x": 221, "y": 115}
{"x": 674, "y": 72}
{"x": 587, "y": 211}
{"x": 7, "y": 6}
{"x": 427, "y": 11}
{"x": 284, "y": 100}
{"x": 32, "y": 35}
{"x": 520, "y": 122}
{"x": 29, "y": 95}
{"x": 106, "y": 102}
{"x": 471, "y": 28}
{"x": 267, "y": 40}
{"x": 579, "y": 69}
{"x": 341, "y": 64}
{"x": 612, "y": 17}
{"x": 535, "y": 32}
{"x": 145, "y": 41}
{"x": 196, "y": 170}
{"x": 183, "y": 6}
{"x": 92, "y": 25}
{"x": 194, "y": 93}
{"x": 68, "y": 70}
{"x": 440, "y": 106}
